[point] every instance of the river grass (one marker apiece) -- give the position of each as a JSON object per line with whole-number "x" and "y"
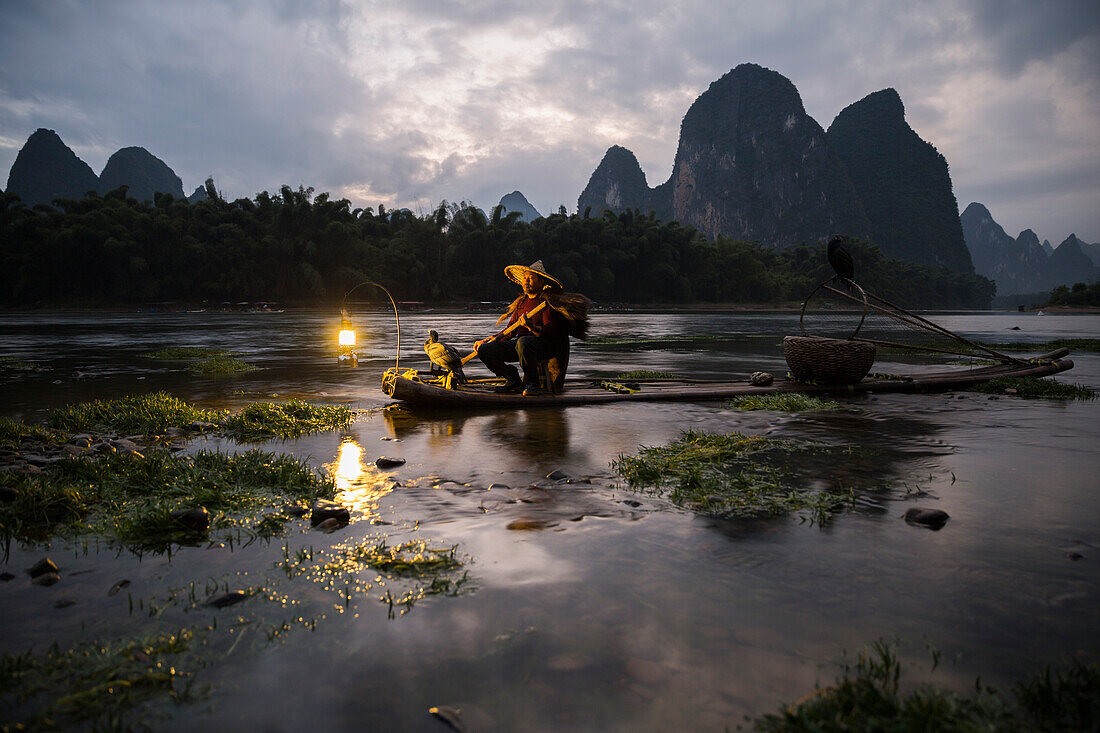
{"x": 287, "y": 419}
{"x": 130, "y": 498}
{"x": 1048, "y": 346}
{"x": 782, "y": 401}
{"x": 147, "y": 414}
{"x": 1034, "y": 388}
{"x": 869, "y": 696}
{"x": 730, "y": 475}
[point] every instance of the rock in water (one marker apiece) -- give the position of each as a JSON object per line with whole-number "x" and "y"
{"x": 43, "y": 566}
{"x": 227, "y": 599}
{"x": 384, "y": 462}
{"x": 761, "y": 379}
{"x": 931, "y": 518}
{"x": 324, "y": 509}
{"x": 193, "y": 520}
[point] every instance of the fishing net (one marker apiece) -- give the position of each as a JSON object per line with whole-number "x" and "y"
{"x": 840, "y": 309}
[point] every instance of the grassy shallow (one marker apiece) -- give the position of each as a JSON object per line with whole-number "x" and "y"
{"x": 129, "y": 498}
{"x": 646, "y": 374}
{"x": 730, "y": 475}
{"x": 148, "y": 414}
{"x": 184, "y": 353}
{"x": 287, "y": 419}
{"x": 868, "y": 696}
{"x": 1035, "y": 388}
{"x": 14, "y": 432}
{"x": 1048, "y": 346}
{"x": 784, "y": 401}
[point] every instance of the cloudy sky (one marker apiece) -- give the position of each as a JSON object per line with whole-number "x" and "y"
{"x": 408, "y": 103}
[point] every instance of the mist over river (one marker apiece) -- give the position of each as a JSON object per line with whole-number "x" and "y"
{"x": 586, "y": 605}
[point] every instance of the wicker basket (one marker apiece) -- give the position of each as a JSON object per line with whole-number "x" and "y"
{"x": 828, "y": 361}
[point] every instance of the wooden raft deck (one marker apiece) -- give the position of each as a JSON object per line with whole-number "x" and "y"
{"x": 588, "y": 392}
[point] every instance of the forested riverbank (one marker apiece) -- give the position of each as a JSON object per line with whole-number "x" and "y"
{"x": 305, "y": 250}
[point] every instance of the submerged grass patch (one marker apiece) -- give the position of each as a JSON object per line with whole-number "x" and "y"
{"x": 867, "y": 696}
{"x": 339, "y": 569}
{"x": 646, "y": 374}
{"x": 181, "y": 353}
{"x": 785, "y": 401}
{"x": 287, "y": 419}
{"x": 94, "y": 681}
{"x": 1035, "y": 387}
{"x": 657, "y": 340}
{"x": 220, "y": 365}
{"x": 130, "y": 498}
{"x": 14, "y": 364}
{"x": 729, "y": 475}
{"x": 147, "y": 414}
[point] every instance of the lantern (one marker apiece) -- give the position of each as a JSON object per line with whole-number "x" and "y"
{"x": 345, "y": 349}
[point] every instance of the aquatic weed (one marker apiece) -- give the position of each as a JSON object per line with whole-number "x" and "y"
{"x": 646, "y": 374}
{"x": 1048, "y": 346}
{"x": 221, "y": 365}
{"x": 784, "y": 401}
{"x": 288, "y": 419}
{"x": 183, "y": 353}
{"x": 147, "y": 414}
{"x": 1034, "y": 388}
{"x": 730, "y": 475}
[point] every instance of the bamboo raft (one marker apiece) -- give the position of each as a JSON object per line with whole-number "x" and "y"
{"x": 418, "y": 387}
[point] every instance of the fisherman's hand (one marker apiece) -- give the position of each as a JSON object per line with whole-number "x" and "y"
{"x": 477, "y": 344}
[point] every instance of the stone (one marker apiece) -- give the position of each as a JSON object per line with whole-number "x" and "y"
{"x": 761, "y": 379}
{"x": 632, "y": 503}
{"x": 1010, "y": 390}
{"x": 231, "y": 598}
{"x": 38, "y": 461}
{"x": 8, "y": 493}
{"x": 65, "y": 602}
{"x": 6, "y": 576}
{"x": 46, "y": 579}
{"x": 173, "y": 432}
{"x": 384, "y": 462}
{"x": 105, "y": 448}
{"x": 200, "y": 425}
{"x": 499, "y": 486}
{"x": 557, "y": 475}
{"x": 83, "y": 440}
{"x": 72, "y": 450}
{"x": 324, "y": 509}
{"x": 931, "y": 518}
{"x": 117, "y": 587}
{"x": 125, "y": 446}
{"x": 529, "y": 524}
{"x": 1075, "y": 555}
{"x": 329, "y": 525}
{"x": 194, "y": 520}
{"x": 43, "y": 566}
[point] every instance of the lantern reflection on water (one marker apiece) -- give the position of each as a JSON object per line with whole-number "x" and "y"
{"x": 358, "y": 487}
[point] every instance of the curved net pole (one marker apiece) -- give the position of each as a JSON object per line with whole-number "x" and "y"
{"x": 343, "y": 303}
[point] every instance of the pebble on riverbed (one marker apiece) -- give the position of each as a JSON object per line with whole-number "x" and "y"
{"x": 227, "y": 599}
{"x": 43, "y": 566}
{"x": 384, "y": 462}
{"x": 932, "y": 518}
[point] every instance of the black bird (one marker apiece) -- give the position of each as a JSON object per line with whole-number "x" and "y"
{"x": 841, "y": 260}
{"x": 444, "y": 356}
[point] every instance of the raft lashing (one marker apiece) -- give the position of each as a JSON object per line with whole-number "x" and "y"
{"x": 425, "y": 388}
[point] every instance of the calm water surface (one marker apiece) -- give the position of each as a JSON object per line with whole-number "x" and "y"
{"x": 622, "y": 612}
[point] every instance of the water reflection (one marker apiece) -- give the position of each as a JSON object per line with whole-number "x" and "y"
{"x": 359, "y": 487}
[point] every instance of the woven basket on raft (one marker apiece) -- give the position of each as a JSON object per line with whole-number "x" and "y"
{"x": 828, "y": 361}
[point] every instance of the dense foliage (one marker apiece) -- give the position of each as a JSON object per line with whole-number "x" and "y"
{"x": 1079, "y": 294}
{"x": 300, "y": 249}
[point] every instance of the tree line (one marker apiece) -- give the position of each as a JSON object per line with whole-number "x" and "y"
{"x": 301, "y": 249}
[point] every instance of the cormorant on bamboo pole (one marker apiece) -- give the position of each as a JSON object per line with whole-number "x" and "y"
{"x": 840, "y": 260}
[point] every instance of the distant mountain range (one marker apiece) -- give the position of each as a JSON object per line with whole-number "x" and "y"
{"x": 47, "y": 169}
{"x": 1023, "y": 265}
{"x": 752, "y": 165}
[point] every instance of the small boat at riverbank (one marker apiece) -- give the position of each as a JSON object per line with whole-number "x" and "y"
{"x": 422, "y": 388}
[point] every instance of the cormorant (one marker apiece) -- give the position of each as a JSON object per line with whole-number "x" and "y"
{"x": 841, "y": 260}
{"x": 441, "y": 355}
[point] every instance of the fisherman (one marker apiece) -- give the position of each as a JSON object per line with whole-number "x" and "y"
{"x": 542, "y": 335}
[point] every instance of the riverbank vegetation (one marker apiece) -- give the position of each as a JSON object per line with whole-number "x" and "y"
{"x": 297, "y": 248}
{"x": 869, "y": 696}
{"x": 783, "y": 401}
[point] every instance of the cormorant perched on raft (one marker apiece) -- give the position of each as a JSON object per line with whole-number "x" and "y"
{"x": 841, "y": 260}
{"x": 442, "y": 355}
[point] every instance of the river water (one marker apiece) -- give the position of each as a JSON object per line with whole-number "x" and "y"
{"x": 587, "y": 606}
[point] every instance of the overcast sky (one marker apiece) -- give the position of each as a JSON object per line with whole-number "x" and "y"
{"x": 408, "y": 103}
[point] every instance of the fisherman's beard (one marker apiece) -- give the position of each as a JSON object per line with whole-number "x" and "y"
{"x": 531, "y": 291}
